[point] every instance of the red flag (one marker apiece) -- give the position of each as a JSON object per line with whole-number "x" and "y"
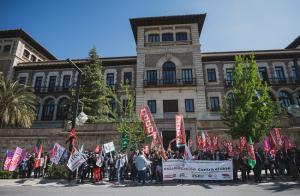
{"x": 180, "y": 131}
{"x": 273, "y": 144}
{"x": 73, "y": 136}
{"x": 215, "y": 142}
{"x": 287, "y": 144}
{"x": 243, "y": 143}
{"x": 38, "y": 158}
{"x": 146, "y": 118}
{"x": 278, "y": 136}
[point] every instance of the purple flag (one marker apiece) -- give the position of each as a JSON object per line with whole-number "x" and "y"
{"x": 266, "y": 144}
{"x": 8, "y": 157}
{"x": 19, "y": 155}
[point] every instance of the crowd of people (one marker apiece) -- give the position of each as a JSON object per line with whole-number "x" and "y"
{"x": 141, "y": 167}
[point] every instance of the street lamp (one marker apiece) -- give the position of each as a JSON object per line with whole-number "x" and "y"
{"x": 75, "y": 108}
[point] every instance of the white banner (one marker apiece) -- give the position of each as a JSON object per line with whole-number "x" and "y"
{"x": 109, "y": 147}
{"x": 76, "y": 159}
{"x": 197, "y": 170}
{"x": 57, "y": 153}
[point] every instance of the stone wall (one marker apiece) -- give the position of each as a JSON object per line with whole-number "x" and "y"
{"x": 88, "y": 135}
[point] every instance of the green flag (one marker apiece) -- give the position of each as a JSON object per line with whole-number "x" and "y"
{"x": 251, "y": 154}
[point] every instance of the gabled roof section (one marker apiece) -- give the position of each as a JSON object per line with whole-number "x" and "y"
{"x": 167, "y": 20}
{"x": 26, "y": 37}
{"x": 294, "y": 44}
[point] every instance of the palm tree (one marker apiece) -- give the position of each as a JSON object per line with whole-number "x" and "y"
{"x": 17, "y": 104}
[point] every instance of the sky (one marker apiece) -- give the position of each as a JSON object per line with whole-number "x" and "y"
{"x": 70, "y": 28}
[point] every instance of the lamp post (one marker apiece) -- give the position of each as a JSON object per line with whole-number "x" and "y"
{"x": 75, "y": 108}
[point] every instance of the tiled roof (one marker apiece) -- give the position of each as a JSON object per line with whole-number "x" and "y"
{"x": 25, "y": 36}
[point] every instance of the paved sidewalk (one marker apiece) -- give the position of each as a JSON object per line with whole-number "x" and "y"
{"x": 64, "y": 183}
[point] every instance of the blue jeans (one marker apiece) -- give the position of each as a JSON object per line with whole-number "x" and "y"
{"x": 120, "y": 177}
{"x": 142, "y": 176}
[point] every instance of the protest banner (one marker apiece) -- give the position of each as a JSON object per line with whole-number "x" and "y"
{"x": 109, "y": 147}
{"x": 57, "y": 153}
{"x": 75, "y": 160}
{"x": 19, "y": 155}
{"x": 8, "y": 157}
{"x": 177, "y": 169}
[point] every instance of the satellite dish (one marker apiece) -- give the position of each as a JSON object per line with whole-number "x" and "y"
{"x": 81, "y": 118}
{"x": 294, "y": 110}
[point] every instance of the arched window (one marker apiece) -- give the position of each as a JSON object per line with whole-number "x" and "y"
{"x": 272, "y": 97}
{"x": 63, "y": 107}
{"x": 285, "y": 99}
{"x": 37, "y": 111}
{"x": 169, "y": 73}
{"x": 48, "y": 109}
{"x": 297, "y": 95}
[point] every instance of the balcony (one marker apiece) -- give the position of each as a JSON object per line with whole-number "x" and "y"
{"x": 271, "y": 81}
{"x": 170, "y": 83}
{"x": 282, "y": 81}
{"x": 55, "y": 89}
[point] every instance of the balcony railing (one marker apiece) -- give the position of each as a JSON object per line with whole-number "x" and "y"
{"x": 167, "y": 83}
{"x": 54, "y": 89}
{"x": 271, "y": 81}
{"x": 279, "y": 81}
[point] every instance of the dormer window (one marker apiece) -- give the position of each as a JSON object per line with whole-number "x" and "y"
{"x": 26, "y": 53}
{"x": 181, "y": 36}
{"x": 153, "y": 38}
{"x": 167, "y": 37}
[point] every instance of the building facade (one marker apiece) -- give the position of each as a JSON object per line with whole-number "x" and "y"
{"x": 170, "y": 74}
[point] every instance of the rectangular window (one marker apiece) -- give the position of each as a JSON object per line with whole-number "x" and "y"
{"x": 52, "y": 82}
{"x": 110, "y": 79}
{"x": 124, "y": 105}
{"x": 112, "y": 104}
{"x": 151, "y": 77}
{"x": 152, "y": 105}
{"x": 293, "y": 73}
{"x": 6, "y": 49}
{"x": 214, "y": 104}
{"x": 211, "y": 75}
{"x": 187, "y": 76}
{"x": 229, "y": 76}
{"x": 128, "y": 78}
{"x": 26, "y": 53}
{"x": 66, "y": 82}
{"x": 263, "y": 73}
{"x": 189, "y": 105}
{"x": 33, "y": 58}
{"x": 38, "y": 83}
{"x": 279, "y": 73}
{"x": 167, "y": 37}
{"x": 22, "y": 80}
{"x": 181, "y": 36}
{"x": 153, "y": 38}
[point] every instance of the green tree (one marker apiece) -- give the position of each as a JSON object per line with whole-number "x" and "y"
{"x": 130, "y": 127}
{"x": 95, "y": 93}
{"x": 17, "y": 104}
{"x": 250, "y": 110}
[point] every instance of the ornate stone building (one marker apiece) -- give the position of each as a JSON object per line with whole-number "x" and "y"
{"x": 170, "y": 74}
